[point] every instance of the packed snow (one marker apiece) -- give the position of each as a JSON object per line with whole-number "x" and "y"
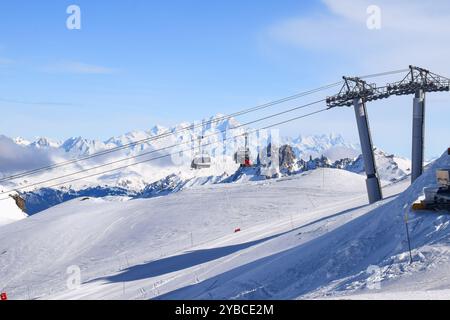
{"x": 152, "y": 247}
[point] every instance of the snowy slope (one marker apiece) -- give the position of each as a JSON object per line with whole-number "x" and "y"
{"x": 364, "y": 258}
{"x": 326, "y": 251}
{"x": 148, "y": 248}
{"x": 103, "y": 236}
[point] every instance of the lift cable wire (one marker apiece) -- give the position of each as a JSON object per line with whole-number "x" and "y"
{"x": 168, "y": 134}
{"x": 190, "y": 127}
{"x": 167, "y": 155}
{"x": 383, "y": 74}
{"x": 165, "y": 148}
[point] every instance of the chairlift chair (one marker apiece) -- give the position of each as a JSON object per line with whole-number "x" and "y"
{"x": 201, "y": 161}
{"x": 242, "y": 157}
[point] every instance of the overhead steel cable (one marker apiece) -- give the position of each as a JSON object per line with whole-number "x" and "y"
{"x": 190, "y": 127}
{"x": 163, "y": 148}
{"x": 374, "y": 75}
{"x": 167, "y": 134}
{"x": 166, "y": 155}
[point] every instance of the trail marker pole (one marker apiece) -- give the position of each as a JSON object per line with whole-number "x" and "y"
{"x": 407, "y": 234}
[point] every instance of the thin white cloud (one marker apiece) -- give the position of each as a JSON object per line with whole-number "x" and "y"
{"x": 77, "y": 68}
{"x": 412, "y": 32}
{"x": 399, "y": 15}
{"x": 15, "y": 158}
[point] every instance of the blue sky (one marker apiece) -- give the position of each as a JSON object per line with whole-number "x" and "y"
{"x": 139, "y": 63}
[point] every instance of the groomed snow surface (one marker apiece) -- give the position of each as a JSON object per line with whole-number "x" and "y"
{"x": 309, "y": 236}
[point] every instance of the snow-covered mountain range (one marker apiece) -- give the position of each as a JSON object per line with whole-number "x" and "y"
{"x": 20, "y": 154}
{"x": 332, "y": 146}
{"x": 390, "y": 167}
{"x": 170, "y": 174}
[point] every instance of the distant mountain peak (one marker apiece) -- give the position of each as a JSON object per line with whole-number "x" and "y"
{"x": 76, "y": 144}
{"x": 43, "y": 142}
{"x": 21, "y": 141}
{"x": 158, "y": 129}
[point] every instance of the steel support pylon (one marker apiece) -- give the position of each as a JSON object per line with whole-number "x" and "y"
{"x": 418, "y": 132}
{"x": 372, "y": 181}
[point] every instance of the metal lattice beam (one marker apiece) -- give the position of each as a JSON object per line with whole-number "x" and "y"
{"x": 416, "y": 79}
{"x": 355, "y": 88}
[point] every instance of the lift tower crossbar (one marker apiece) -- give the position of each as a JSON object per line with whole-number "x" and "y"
{"x": 356, "y": 92}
